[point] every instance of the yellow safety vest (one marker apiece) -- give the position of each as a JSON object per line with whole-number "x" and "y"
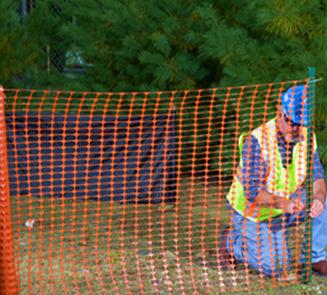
{"x": 279, "y": 181}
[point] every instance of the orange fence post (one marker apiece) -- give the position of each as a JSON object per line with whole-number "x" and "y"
{"x": 8, "y": 278}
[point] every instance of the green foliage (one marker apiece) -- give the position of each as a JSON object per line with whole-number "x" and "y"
{"x": 15, "y": 50}
{"x": 125, "y": 45}
{"x": 148, "y": 45}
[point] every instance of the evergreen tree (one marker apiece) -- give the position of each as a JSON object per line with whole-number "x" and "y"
{"x": 45, "y": 27}
{"x": 134, "y": 45}
{"x": 15, "y": 51}
{"x": 270, "y": 41}
{"x": 126, "y": 45}
{"x": 178, "y": 44}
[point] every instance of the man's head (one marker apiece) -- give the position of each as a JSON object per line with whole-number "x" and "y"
{"x": 294, "y": 111}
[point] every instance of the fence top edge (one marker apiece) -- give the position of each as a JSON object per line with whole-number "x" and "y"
{"x": 199, "y": 90}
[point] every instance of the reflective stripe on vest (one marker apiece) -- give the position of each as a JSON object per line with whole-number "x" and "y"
{"x": 279, "y": 181}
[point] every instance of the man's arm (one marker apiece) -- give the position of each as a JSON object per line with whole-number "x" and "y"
{"x": 254, "y": 171}
{"x": 319, "y": 190}
{"x": 254, "y": 168}
{"x": 319, "y": 198}
{"x": 266, "y": 199}
{"x": 291, "y": 206}
{"x": 319, "y": 187}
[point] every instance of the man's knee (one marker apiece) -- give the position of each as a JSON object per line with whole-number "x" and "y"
{"x": 269, "y": 266}
{"x": 270, "y": 259}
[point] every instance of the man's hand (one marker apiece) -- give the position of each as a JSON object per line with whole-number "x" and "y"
{"x": 316, "y": 209}
{"x": 292, "y": 206}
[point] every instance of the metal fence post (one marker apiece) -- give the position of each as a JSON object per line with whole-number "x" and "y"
{"x": 309, "y": 179}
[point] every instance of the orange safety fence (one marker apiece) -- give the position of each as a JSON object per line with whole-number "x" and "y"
{"x": 126, "y": 193}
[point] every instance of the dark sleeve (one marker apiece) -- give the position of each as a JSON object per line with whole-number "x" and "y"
{"x": 318, "y": 170}
{"x": 254, "y": 168}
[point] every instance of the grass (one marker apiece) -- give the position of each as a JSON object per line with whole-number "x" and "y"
{"x": 106, "y": 248}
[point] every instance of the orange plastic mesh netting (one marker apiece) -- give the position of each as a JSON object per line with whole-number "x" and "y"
{"x": 125, "y": 193}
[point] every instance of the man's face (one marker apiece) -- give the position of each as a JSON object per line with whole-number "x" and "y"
{"x": 290, "y": 130}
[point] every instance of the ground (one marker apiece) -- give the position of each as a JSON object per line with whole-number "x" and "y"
{"x": 68, "y": 247}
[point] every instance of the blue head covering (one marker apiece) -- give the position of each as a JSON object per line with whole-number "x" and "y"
{"x": 295, "y": 104}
